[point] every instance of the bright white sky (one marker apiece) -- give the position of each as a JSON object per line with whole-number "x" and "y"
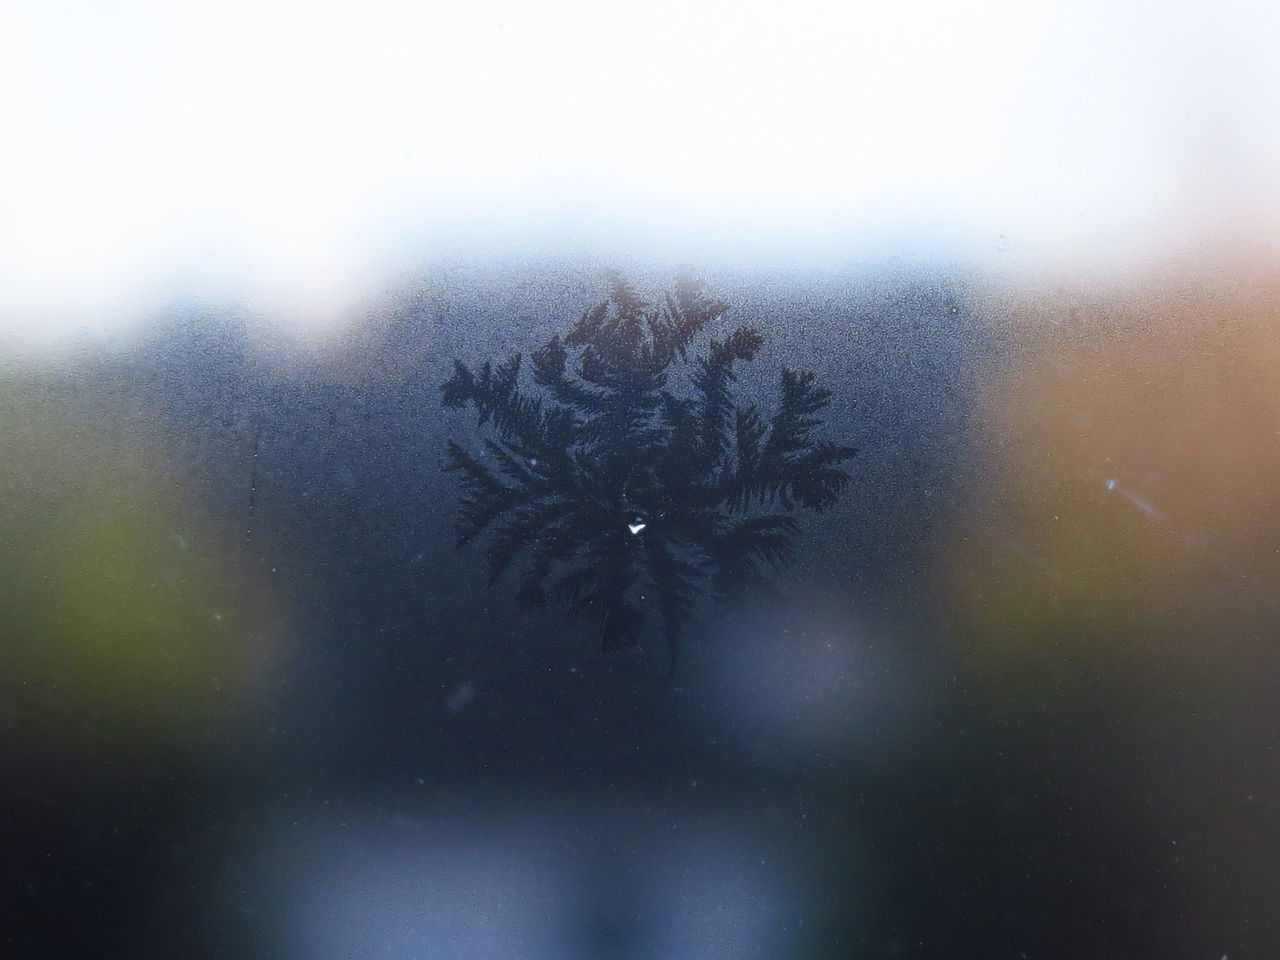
{"x": 287, "y": 153}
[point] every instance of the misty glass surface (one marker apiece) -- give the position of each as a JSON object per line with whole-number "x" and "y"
{"x": 1010, "y": 693}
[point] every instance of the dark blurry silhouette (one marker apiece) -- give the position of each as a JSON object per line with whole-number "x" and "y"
{"x": 625, "y": 488}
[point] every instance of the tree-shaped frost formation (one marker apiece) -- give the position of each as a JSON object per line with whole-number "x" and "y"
{"x": 623, "y": 488}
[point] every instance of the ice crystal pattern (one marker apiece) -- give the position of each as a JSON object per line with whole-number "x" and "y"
{"x": 631, "y": 478}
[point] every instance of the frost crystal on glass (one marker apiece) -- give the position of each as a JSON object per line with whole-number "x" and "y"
{"x": 631, "y": 471}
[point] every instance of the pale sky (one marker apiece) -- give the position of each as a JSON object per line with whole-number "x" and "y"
{"x": 287, "y": 155}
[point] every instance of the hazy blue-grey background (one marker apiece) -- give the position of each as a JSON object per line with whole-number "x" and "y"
{"x": 1015, "y": 699}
